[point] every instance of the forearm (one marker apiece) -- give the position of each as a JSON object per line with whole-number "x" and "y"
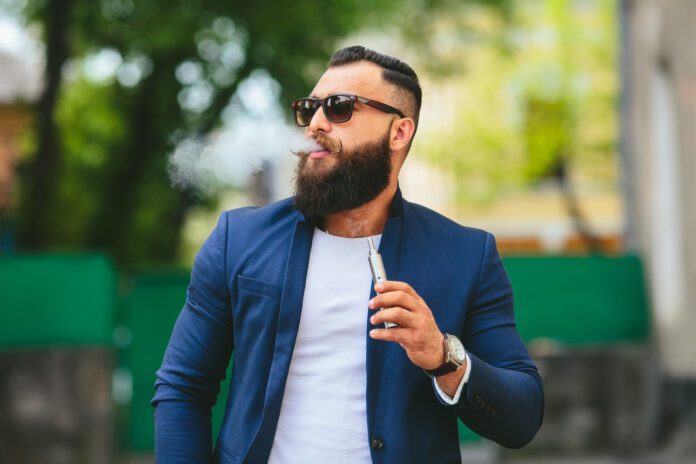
{"x": 182, "y": 432}
{"x": 187, "y": 387}
{"x": 503, "y": 405}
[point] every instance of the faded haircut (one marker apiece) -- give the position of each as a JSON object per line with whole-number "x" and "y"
{"x": 395, "y": 71}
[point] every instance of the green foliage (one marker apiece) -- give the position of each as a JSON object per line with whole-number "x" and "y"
{"x": 548, "y": 135}
{"x": 178, "y": 62}
{"x": 523, "y": 95}
{"x": 99, "y": 128}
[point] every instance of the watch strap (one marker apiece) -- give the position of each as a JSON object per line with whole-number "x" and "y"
{"x": 448, "y": 366}
{"x": 442, "y": 370}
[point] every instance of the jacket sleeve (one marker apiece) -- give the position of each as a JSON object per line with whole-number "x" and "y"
{"x": 503, "y": 398}
{"x": 196, "y": 359}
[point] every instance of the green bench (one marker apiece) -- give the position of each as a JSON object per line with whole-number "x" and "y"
{"x": 579, "y": 300}
{"x": 56, "y": 300}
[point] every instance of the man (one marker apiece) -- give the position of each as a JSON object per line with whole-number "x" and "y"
{"x": 317, "y": 378}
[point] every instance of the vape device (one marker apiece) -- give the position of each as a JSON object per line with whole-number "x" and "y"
{"x": 378, "y": 273}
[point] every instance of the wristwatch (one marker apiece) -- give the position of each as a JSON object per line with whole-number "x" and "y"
{"x": 455, "y": 356}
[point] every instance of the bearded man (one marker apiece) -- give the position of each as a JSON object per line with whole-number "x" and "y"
{"x": 317, "y": 377}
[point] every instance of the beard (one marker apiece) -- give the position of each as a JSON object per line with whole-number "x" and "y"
{"x": 356, "y": 178}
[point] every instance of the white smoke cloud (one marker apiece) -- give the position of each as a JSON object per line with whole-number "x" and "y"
{"x": 254, "y": 132}
{"x": 231, "y": 155}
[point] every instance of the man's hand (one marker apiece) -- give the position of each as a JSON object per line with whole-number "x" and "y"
{"x": 417, "y": 333}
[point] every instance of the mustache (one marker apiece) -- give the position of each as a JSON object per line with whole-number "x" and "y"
{"x": 334, "y": 146}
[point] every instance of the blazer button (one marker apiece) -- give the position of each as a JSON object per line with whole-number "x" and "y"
{"x": 377, "y": 443}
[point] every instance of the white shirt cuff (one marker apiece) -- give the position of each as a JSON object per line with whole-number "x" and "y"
{"x": 445, "y": 397}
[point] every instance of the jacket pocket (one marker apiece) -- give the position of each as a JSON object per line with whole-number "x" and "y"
{"x": 259, "y": 286}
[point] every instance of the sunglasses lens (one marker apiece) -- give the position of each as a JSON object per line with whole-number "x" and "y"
{"x": 304, "y": 110}
{"x": 339, "y": 108}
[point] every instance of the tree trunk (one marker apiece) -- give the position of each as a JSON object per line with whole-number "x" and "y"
{"x": 41, "y": 177}
{"x": 112, "y": 225}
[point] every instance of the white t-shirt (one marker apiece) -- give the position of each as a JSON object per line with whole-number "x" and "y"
{"x": 323, "y": 414}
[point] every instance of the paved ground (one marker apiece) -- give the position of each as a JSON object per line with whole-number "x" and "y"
{"x": 603, "y": 460}
{"x": 490, "y": 454}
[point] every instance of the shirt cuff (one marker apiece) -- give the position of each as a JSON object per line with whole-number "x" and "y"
{"x": 444, "y": 396}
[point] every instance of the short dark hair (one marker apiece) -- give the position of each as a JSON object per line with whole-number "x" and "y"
{"x": 395, "y": 71}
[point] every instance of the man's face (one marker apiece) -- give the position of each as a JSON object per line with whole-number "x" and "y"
{"x": 357, "y": 163}
{"x": 354, "y": 178}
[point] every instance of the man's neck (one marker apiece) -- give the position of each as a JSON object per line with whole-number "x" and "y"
{"x": 364, "y": 221}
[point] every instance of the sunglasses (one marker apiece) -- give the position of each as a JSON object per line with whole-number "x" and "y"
{"x": 337, "y": 108}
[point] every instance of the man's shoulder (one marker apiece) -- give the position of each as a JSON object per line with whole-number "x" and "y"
{"x": 439, "y": 224}
{"x": 273, "y": 212}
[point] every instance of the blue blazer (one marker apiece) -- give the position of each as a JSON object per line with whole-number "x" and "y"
{"x": 245, "y": 296}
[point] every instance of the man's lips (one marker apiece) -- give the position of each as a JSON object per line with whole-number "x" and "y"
{"x": 319, "y": 154}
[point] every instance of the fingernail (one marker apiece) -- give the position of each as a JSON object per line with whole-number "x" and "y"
{"x": 372, "y": 319}
{"x": 379, "y": 287}
{"x": 371, "y": 303}
{"x": 372, "y": 333}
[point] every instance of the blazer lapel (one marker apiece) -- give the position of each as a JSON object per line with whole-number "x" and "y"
{"x": 390, "y": 249}
{"x": 288, "y": 323}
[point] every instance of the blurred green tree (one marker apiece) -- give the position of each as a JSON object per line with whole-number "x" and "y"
{"x": 96, "y": 178}
{"x": 531, "y": 97}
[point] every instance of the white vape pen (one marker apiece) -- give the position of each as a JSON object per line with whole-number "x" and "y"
{"x": 378, "y": 272}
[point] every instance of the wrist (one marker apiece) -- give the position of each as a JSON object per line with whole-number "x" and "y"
{"x": 449, "y": 383}
{"x": 441, "y": 357}
{"x": 454, "y": 357}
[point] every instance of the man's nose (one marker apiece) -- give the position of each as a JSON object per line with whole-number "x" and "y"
{"x": 319, "y": 122}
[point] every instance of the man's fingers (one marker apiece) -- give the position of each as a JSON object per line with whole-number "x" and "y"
{"x": 396, "y": 298}
{"x": 397, "y": 334}
{"x": 397, "y": 315}
{"x": 394, "y": 285}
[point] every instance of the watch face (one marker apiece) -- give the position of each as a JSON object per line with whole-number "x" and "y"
{"x": 456, "y": 349}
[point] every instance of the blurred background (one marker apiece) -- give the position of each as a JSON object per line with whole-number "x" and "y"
{"x": 565, "y": 127}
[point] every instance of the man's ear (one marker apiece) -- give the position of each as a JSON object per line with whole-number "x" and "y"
{"x": 401, "y": 134}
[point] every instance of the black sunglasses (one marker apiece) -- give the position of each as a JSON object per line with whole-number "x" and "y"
{"x": 337, "y": 108}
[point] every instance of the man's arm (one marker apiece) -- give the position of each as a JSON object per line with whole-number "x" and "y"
{"x": 196, "y": 359}
{"x": 503, "y": 398}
